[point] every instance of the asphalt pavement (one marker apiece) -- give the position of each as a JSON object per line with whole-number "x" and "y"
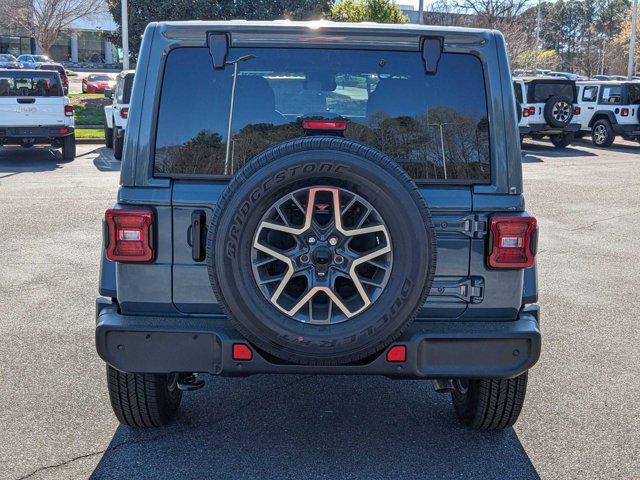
{"x": 580, "y": 419}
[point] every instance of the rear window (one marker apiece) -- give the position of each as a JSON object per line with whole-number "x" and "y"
{"x": 435, "y": 126}
{"x": 634, "y": 94}
{"x": 123, "y": 88}
{"x": 17, "y": 84}
{"x": 540, "y": 92}
{"x": 611, "y": 95}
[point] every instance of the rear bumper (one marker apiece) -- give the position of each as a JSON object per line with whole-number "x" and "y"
{"x": 41, "y": 134}
{"x": 627, "y": 130}
{"x": 204, "y": 344}
{"x": 544, "y": 129}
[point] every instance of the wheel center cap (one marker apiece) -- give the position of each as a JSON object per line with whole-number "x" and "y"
{"x": 322, "y": 256}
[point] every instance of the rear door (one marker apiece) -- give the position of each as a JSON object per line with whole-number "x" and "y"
{"x": 588, "y": 102}
{"x": 437, "y": 135}
{"x": 30, "y": 99}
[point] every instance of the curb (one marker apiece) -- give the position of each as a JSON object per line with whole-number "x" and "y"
{"x": 90, "y": 141}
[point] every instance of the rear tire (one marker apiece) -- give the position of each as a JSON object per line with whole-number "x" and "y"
{"x": 562, "y": 141}
{"x": 118, "y": 141}
{"x": 69, "y": 147}
{"x": 108, "y": 135}
{"x": 602, "y": 134}
{"x": 143, "y": 399}
{"x": 489, "y": 404}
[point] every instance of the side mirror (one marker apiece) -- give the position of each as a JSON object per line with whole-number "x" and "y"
{"x": 108, "y": 93}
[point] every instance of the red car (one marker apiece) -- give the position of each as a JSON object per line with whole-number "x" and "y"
{"x": 56, "y": 67}
{"x": 97, "y": 83}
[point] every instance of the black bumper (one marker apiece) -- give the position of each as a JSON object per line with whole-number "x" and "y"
{"x": 544, "y": 129}
{"x": 204, "y": 344}
{"x": 35, "y": 135}
{"x": 627, "y": 130}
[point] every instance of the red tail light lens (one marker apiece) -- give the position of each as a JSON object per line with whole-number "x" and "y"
{"x": 324, "y": 125}
{"x": 528, "y": 111}
{"x": 625, "y": 112}
{"x": 577, "y": 110}
{"x": 129, "y": 235}
{"x": 124, "y": 112}
{"x": 513, "y": 242}
{"x": 68, "y": 110}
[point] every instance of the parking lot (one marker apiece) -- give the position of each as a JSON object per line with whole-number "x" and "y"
{"x": 581, "y": 416}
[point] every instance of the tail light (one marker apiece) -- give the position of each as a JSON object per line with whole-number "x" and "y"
{"x": 129, "y": 234}
{"x": 513, "y": 241}
{"x": 624, "y": 112}
{"x": 124, "y": 112}
{"x": 577, "y": 110}
{"x": 68, "y": 110}
{"x": 528, "y": 111}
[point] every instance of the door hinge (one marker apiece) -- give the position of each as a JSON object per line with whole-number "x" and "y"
{"x": 475, "y": 226}
{"x": 471, "y": 289}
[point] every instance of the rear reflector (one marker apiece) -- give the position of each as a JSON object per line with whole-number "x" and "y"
{"x": 124, "y": 112}
{"x": 397, "y": 353}
{"x": 68, "y": 110}
{"x": 129, "y": 235}
{"x": 324, "y": 125}
{"x": 513, "y": 242}
{"x": 241, "y": 352}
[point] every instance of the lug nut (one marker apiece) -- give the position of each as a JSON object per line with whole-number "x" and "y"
{"x": 304, "y": 258}
{"x": 333, "y": 241}
{"x": 312, "y": 240}
{"x": 339, "y": 259}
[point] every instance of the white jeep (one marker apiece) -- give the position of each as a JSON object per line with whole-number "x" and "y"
{"x": 545, "y": 108}
{"x": 34, "y": 111}
{"x": 607, "y": 109}
{"x": 116, "y": 114}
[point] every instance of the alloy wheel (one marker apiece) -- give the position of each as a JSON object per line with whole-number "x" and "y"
{"x": 600, "y": 134}
{"x": 321, "y": 255}
{"x": 561, "y": 111}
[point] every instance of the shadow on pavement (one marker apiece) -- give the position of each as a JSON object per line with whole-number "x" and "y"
{"x": 616, "y": 147}
{"x": 15, "y": 160}
{"x": 551, "y": 151}
{"x": 315, "y": 427}
{"x": 105, "y": 161}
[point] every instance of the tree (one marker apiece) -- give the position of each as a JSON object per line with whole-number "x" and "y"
{"x": 45, "y": 19}
{"x": 381, "y": 11}
{"x": 141, "y": 12}
{"x": 492, "y": 13}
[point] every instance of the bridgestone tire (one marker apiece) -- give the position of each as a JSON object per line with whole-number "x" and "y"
{"x": 491, "y": 404}
{"x": 69, "y": 147}
{"x": 143, "y": 399}
{"x": 327, "y": 161}
{"x": 562, "y": 141}
{"x": 108, "y": 135}
{"x": 548, "y": 111}
{"x": 118, "y": 141}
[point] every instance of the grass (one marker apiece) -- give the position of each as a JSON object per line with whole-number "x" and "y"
{"x": 86, "y": 95}
{"x": 88, "y": 115}
{"x": 89, "y": 133}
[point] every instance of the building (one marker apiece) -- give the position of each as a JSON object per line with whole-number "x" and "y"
{"x": 82, "y": 42}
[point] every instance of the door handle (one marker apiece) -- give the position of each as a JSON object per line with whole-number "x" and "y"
{"x": 198, "y": 235}
{"x": 26, "y": 100}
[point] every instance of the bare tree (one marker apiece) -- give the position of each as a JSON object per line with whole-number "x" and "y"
{"x": 45, "y": 19}
{"x": 493, "y": 13}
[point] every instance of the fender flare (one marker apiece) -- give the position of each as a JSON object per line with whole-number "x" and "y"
{"x": 603, "y": 113}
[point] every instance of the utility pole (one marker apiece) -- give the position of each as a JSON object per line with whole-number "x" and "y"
{"x": 125, "y": 35}
{"x": 632, "y": 43}
{"x": 420, "y": 11}
{"x": 538, "y": 20}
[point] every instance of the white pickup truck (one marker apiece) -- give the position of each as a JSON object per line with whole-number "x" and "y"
{"x": 34, "y": 111}
{"x": 116, "y": 114}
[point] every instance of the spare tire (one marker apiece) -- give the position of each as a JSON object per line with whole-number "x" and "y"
{"x": 321, "y": 250}
{"x": 558, "y": 111}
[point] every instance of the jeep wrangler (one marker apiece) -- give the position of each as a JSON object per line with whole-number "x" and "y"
{"x": 319, "y": 198}
{"x": 116, "y": 113}
{"x": 607, "y": 109}
{"x": 546, "y": 108}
